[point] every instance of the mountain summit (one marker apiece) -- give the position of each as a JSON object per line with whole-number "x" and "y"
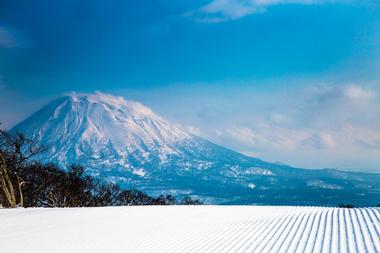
{"x": 103, "y": 131}
{"x": 126, "y": 142}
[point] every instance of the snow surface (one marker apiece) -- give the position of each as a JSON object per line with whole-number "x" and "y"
{"x": 190, "y": 229}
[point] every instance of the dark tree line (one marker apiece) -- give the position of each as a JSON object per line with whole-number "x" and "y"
{"x": 49, "y": 186}
{"x": 346, "y": 206}
{"x": 27, "y": 183}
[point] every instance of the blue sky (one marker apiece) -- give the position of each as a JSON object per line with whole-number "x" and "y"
{"x": 295, "y": 81}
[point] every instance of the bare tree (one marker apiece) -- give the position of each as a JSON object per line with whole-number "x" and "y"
{"x": 15, "y": 150}
{"x": 190, "y": 201}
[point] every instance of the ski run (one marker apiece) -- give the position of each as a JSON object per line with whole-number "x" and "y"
{"x": 190, "y": 229}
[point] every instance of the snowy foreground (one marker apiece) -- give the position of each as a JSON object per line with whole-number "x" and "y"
{"x": 190, "y": 229}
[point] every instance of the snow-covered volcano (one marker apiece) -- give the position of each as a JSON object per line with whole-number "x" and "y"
{"x": 122, "y": 140}
{"x": 103, "y": 131}
{"x": 126, "y": 142}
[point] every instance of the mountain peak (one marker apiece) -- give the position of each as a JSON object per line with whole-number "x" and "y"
{"x": 111, "y": 101}
{"x": 82, "y": 128}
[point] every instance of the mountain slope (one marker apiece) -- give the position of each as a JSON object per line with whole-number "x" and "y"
{"x": 124, "y": 141}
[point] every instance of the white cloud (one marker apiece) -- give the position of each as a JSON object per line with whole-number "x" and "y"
{"x": 7, "y": 39}
{"x": 229, "y": 9}
{"x": 361, "y": 137}
{"x": 299, "y": 123}
{"x": 356, "y": 92}
{"x": 194, "y": 130}
{"x": 223, "y": 10}
{"x": 244, "y": 135}
{"x": 320, "y": 140}
{"x": 318, "y": 126}
{"x": 279, "y": 118}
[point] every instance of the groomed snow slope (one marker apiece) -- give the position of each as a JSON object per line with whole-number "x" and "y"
{"x": 190, "y": 229}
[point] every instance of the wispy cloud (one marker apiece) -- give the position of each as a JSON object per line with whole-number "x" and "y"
{"x": 332, "y": 122}
{"x": 305, "y": 123}
{"x": 193, "y": 130}
{"x": 223, "y": 10}
{"x": 320, "y": 140}
{"x": 7, "y": 39}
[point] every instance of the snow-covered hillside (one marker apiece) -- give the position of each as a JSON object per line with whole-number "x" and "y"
{"x": 125, "y": 142}
{"x": 190, "y": 229}
{"x": 103, "y": 131}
